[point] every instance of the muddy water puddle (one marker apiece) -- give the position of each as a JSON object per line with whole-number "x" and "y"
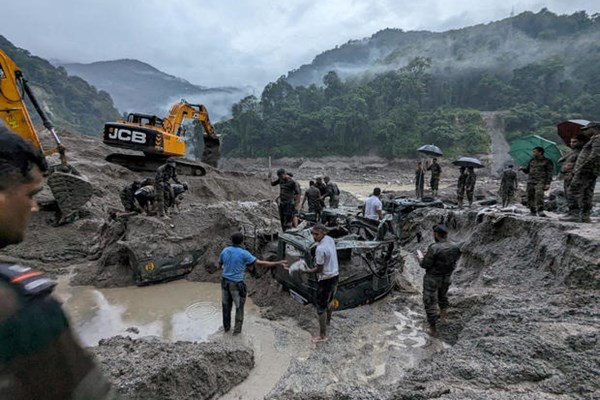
{"x": 184, "y": 311}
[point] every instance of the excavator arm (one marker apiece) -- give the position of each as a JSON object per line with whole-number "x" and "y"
{"x": 198, "y": 112}
{"x": 70, "y": 189}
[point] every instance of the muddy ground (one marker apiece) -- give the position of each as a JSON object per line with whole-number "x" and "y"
{"x": 524, "y": 321}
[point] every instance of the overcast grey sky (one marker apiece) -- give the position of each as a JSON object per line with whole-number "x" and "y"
{"x": 228, "y": 42}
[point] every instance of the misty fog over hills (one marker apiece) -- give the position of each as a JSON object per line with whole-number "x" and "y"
{"x": 498, "y": 47}
{"x": 139, "y": 87}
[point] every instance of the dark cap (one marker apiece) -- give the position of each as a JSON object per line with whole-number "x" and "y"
{"x": 441, "y": 229}
{"x": 592, "y": 124}
{"x": 280, "y": 171}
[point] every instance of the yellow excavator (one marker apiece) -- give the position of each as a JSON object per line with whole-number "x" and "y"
{"x": 161, "y": 138}
{"x": 70, "y": 189}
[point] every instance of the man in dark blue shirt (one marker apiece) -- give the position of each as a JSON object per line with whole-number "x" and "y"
{"x": 234, "y": 259}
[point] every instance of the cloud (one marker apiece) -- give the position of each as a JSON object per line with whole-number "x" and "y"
{"x": 226, "y": 42}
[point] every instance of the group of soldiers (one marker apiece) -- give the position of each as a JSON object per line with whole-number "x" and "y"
{"x": 290, "y": 194}
{"x": 580, "y": 169}
{"x": 155, "y": 195}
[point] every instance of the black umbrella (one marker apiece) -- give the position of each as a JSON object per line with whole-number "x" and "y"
{"x": 468, "y": 162}
{"x": 430, "y": 150}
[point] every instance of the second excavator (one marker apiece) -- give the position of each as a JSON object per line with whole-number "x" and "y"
{"x": 70, "y": 189}
{"x": 161, "y": 138}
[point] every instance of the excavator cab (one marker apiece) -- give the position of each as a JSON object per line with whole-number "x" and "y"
{"x": 70, "y": 189}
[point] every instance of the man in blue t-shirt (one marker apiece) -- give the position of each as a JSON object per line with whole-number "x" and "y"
{"x": 234, "y": 259}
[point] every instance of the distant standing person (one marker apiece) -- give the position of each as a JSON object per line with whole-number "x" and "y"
{"x": 460, "y": 187}
{"x": 373, "y": 205}
{"x": 289, "y": 197}
{"x": 439, "y": 262}
{"x": 333, "y": 192}
{"x": 470, "y": 181}
{"x": 162, "y": 183}
{"x": 327, "y": 270}
{"x": 322, "y": 188}
{"x": 587, "y": 168}
{"x": 567, "y": 168}
{"x": 436, "y": 171}
{"x": 313, "y": 196}
{"x": 508, "y": 185}
{"x": 234, "y": 259}
{"x": 419, "y": 180}
{"x": 539, "y": 169}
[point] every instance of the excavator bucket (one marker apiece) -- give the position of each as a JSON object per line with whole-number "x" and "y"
{"x": 212, "y": 150}
{"x": 70, "y": 190}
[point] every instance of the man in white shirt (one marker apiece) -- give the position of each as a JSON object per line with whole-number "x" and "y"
{"x": 327, "y": 270}
{"x": 373, "y": 206}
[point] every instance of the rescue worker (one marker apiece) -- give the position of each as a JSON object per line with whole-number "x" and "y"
{"x": 508, "y": 185}
{"x": 234, "y": 259}
{"x": 333, "y": 192}
{"x": 436, "y": 171}
{"x": 539, "y": 169}
{"x": 40, "y": 357}
{"x": 127, "y": 196}
{"x": 587, "y": 168}
{"x": 162, "y": 180}
{"x": 439, "y": 262}
{"x": 144, "y": 198}
{"x": 460, "y": 187}
{"x": 327, "y": 270}
{"x": 419, "y": 180}
{"x": 322, "y": 188}
{"x": 567, "y": 168}
{"x": 470, "y": 180}
{"x": 373, "y": 206}
{"x": 289, "y": 197}
{"x": 313, "y": 196}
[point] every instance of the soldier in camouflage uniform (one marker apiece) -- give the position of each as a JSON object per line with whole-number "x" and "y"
{"x": 568, "y": 168}
{"x": 587, "y": 168}
{"x": 460, "y": 188}
{"x": 164, "y": 174}
{"x": 127, "y": 196}
{"x": 333, "y": 192}
{"x": 508, "y": 185}
{"x": 439, "y": 263}
{"x": 419, "y": 180}
{"x": 40, "y": 357}
{"x": 470, "y": 184}
{"x": 539, "y": 169}
{"x": 436, "y": 171}
{"x": 289, "y": 198}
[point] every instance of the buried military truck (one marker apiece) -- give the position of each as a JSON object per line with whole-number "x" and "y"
{"x": 366, "y": 268}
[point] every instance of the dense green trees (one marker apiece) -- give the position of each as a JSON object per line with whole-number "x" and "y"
{"x": 526, "y": 66}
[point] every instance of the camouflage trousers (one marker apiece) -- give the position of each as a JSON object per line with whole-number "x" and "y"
{"x": 581, "y": 193}
{"x": 535, "y": 196}
{"x": 461, "y": 195}
{"x": 334, "y": 201}
{"x": 507, "y": 196}
{"x": 435, "y": 293}
{"x": 434, "y": 182}
{"x": 159, "y": 198}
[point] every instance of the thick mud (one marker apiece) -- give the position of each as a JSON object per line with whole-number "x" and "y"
{"x": 523, "y": 324}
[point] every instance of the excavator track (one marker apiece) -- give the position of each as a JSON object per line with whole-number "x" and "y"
{"x": 71, "y": 191}
{"x": 147, "y": 164}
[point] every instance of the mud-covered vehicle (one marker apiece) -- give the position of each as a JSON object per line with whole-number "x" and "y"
{"x": 366, "y": 268}
{"x": 149, "y": 269}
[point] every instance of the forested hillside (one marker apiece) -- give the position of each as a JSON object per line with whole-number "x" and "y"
{"x": 397, "y": 90}
{"x": 69, "y": 100}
